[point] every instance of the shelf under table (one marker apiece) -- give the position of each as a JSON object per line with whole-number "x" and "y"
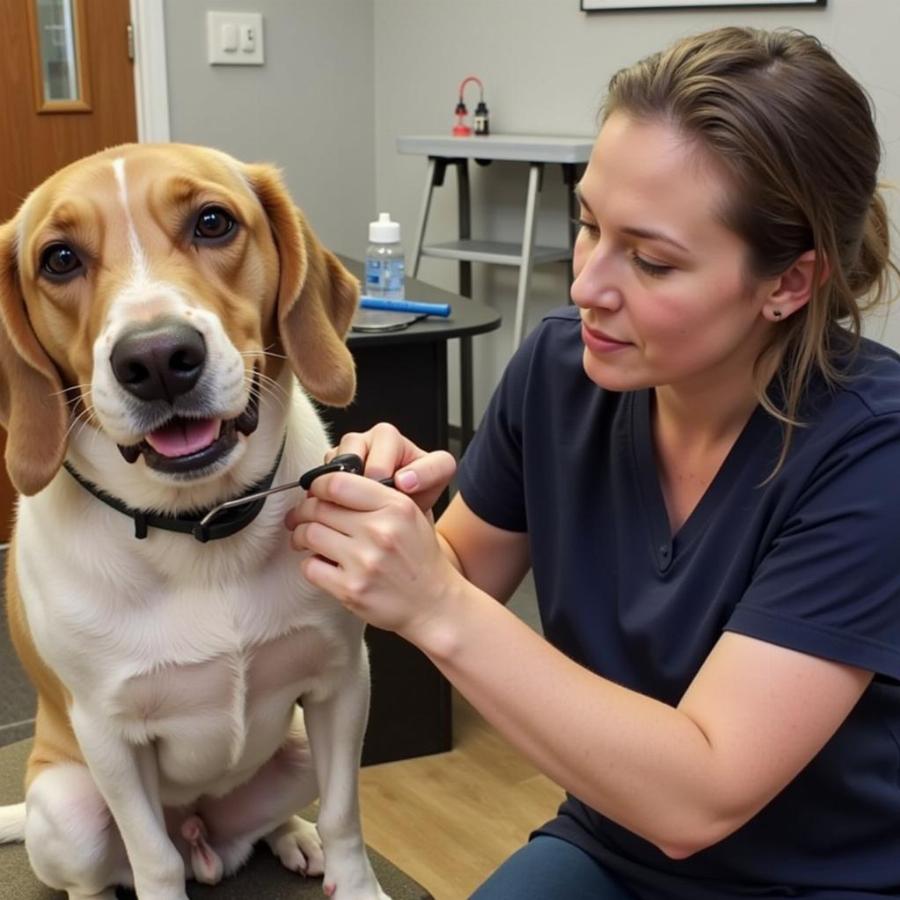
{"x": 494, "y": 252}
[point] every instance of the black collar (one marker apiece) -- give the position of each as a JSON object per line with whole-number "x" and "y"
{"x": 228, "y": 522}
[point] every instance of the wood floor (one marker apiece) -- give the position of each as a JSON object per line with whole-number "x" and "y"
{"x": 450, "y": 819}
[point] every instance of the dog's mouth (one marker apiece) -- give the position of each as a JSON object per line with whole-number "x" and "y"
{"x": 185, "y": 444}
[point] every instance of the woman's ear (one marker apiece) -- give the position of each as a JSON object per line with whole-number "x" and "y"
{"x": 317, "y": 297}
{"x": 793, "y": 289}
{"x": 32, "y": 408}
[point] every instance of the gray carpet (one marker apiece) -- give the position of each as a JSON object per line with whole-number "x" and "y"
{"x": 17, "y": 699}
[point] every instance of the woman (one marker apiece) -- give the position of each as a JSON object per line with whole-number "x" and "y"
{"x": 699, "y": 462}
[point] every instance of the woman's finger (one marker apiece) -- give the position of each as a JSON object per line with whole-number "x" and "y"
{"x": 322, "y": 540}
{"x": 352, "y": 492}
{"x": 388, "y": 450}
{"x": 434, "y": 470}
{"x": 352, "y": 442}
{"x": 339, "y": 490}
{"x": 322, "y": 573}
{"x": 317, "y": 509}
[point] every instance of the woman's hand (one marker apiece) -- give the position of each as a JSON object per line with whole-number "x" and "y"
{"x": 373, "y": 549}
{"x": 386, "y": 452}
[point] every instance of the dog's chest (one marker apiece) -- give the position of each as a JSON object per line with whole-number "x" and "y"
{"x": 225, "y": 708}
{"x": 207, "y": 665}
{"x": 224, "y": 689}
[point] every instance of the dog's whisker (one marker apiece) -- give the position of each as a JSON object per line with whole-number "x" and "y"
{"x": 66, "y": 390}
{"x": 86, "y": 417}
{"x": 262, "y": 377}
{"x": 271, "y": 385}
{"x": 83, "y": 395}
{"x": 81, "y": 421}
{"x": 270, "y": 401}
{"x": 263, "y": 383}
{"x": 269, "y": 354}
{"x": 273, "y": 392}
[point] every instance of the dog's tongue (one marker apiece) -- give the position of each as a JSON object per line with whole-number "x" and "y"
{"x": 181, "y": 437}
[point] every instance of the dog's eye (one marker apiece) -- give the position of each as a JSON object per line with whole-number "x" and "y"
{"x": 59, "y": 261}
{"x": 213, "y": 223}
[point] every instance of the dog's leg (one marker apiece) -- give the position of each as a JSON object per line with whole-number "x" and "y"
{"x": 336, "y": 725}
{"x": 264, "y": 806}
{"x": 127, "y": 777}
{"x": 71, "y": 840}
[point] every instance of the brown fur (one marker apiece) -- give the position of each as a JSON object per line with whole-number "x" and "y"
{"x": 54, "y": 740}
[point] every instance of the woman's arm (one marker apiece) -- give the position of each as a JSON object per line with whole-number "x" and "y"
{"x": 490, "y": 558}
{"x": 683, "y": 778}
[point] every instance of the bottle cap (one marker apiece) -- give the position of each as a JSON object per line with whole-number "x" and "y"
{"x": 384, "y": 231}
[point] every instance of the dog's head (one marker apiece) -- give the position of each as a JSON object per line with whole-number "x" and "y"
{"x": 149, "y": 291}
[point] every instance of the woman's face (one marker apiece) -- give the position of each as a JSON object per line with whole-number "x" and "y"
{"x": 661, "y": 283}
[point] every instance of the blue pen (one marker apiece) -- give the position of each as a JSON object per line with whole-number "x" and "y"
{"x": 405, "y": 306}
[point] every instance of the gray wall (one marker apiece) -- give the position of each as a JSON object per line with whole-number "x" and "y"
{"x": 343, "y": 78}
{"x": 545, "y": 64}
{"x": 309, "y": 109}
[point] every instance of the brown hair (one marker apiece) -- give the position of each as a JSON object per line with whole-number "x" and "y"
{"x": 795, "y": 132}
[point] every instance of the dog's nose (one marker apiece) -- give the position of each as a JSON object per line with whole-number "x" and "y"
{"x": 159, "y": 361}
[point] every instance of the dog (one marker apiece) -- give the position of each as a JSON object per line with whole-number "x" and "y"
{"x": 167, "y": 321}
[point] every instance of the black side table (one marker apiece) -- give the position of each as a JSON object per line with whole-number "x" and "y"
{"x": 402, "y": 378}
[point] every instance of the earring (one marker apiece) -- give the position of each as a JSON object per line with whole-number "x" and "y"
{"x": 776, "y": 313}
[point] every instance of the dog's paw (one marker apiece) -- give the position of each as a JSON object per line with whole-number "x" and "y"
{"x": 332, "y": 892}
{"x": 297, "y": 844}
{"x": 350, "y": 877}
{"x": 205, "y": 862}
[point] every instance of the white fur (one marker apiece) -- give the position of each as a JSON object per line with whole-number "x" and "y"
{"x": 12, "y": 823}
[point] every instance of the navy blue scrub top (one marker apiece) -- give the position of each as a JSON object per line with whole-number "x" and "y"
{"x": 809, "y": 560}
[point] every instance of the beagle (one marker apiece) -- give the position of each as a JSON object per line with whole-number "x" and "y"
{"x": 167, "y": 319}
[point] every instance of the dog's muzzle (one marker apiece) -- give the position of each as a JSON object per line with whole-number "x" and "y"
{"x": 159, "y": 363}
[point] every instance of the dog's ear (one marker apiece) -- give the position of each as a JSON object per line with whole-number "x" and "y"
{"x": 32, "y": 408}
{"x": 317, "y": 297}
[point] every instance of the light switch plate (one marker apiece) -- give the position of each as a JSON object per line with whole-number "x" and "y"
{"x": 220, "y": 31}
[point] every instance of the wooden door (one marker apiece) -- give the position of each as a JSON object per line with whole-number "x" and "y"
{"x": 66, "y": 91}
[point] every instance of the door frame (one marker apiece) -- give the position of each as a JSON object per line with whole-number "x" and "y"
{"x": 151, "y": 86}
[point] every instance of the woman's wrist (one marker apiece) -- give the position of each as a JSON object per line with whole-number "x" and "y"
{"x": 438, "y": 632}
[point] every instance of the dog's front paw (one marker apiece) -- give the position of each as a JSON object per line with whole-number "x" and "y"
{"x": 297, "y": 844}
{"x": 331, "y": 891}
{"x": 351, "y": 878}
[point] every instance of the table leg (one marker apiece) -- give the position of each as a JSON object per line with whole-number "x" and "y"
{"x": 534, "y": 186}
{"x": 466, "y": 360}
{"x": 423, "y": 215}
{"x": 570, "y": 177}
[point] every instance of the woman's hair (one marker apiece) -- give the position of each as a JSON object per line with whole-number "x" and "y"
{"x": 795, "y": 133}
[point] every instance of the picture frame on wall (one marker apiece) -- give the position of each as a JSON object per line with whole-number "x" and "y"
{"x": 622, "y": 5}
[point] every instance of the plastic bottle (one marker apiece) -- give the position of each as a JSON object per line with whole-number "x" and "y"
{"x": 385, "y": 263}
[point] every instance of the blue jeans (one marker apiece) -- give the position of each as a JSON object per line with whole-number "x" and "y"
{"x": 547, "y": 868}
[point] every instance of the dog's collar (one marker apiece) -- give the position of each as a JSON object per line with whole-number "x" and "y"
{"x": 229, "y": 522}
